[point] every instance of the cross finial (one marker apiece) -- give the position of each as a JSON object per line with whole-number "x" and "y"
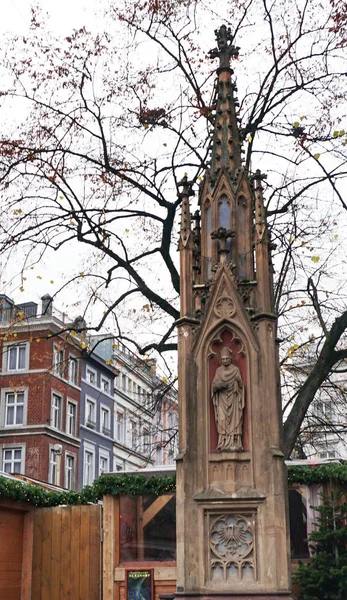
{"x": 226, "y": 48}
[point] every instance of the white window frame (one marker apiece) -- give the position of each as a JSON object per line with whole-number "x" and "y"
{"x": 73, "y": 360}
{"x": 70, "y": 402}
{"x": 133, "y": 434}
{"x": 54, "y": 410}
{"x": 3, "y": 406}
{"x": 159, "y": 453}
{"x": 88, "y": 449}
{"x": 58, "y": 361}
{"x": 95, "y": 376}
{"x": 104, "y": 455}
{"x": 54, "y": 466}
{"x": 13, "y": 447}
{"x": 103, "y": 411}
{"x": 70, "y": 472}
{"x": 6, "y": 357}
{"x": 104, "y": 380}
{"x": 120, "y": 426}
{"x": 89, "y": 422}
{"x": 124, "y": 382}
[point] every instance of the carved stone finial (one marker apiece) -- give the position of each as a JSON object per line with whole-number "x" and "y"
{"x": 226, "y": 48}
{"x": 186, "y": 185}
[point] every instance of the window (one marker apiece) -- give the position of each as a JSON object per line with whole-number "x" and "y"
{"x": 159, "y": 418}
{"x": 56, "y": 411}
{"x": 170, "y": 419}
{"x": 73, "y": 370}
{"x": 159, "y": 455}
{"x": 146, "y": 442}
{"x": 133, "y": 435}
{"x": 70, "y": 471}
{"x": 16, "y": 356}
{"x": 71, "y": 418}
{"x": 12, "y": 460}
{"x": 90, "y": 413}
{"x": 54, "y": 458}
{"x": 58, "y": 361}
{"x": 104, "y": 460}
{"x": 14, "y": 408}
{"x": 327, "y": 453}
{"x": 105, "y": 385}
{"x": 91, "y": 376}
{"x": 105, "y": 419}
{"x": 170, "y": 457}
{"x": 88, "y": 465}
{"x": 120, "y": 427}
{"x": 124, "y": 382}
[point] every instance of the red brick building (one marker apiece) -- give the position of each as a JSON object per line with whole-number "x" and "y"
{"x": 40, "y": 378}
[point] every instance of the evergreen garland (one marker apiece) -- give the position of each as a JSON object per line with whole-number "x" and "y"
{"x": 139, "y": 484}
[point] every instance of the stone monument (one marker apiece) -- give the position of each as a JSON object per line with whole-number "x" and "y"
{"x": 232, "y": 529}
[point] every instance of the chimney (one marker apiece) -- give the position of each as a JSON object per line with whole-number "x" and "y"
{"x": 47, "y": 305}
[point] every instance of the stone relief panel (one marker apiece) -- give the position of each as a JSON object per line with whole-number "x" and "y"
{"x": 232, "y": 557}
{"x": 233, "y": 473}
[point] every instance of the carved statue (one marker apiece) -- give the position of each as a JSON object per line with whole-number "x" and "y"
{"x": 228, "y": 401}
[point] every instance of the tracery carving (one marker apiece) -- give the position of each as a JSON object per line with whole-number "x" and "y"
{"x": 218, "y": 339}
{"x": 225, "y": 307}
{"x": 232, "y": 547}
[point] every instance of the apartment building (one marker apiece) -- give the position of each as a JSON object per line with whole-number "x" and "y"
{"x": 97, "y": 419}
{"x": 40, "y": 387}
{"x": 67, "y": 415}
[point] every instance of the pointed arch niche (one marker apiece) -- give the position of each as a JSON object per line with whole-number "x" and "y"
{"x": 206, "y": 228}
{"x": 224, "y": 218}
{"x": 227, "y": 337}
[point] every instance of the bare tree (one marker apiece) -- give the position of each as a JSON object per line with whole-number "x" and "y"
{"x": 104, "y": 126}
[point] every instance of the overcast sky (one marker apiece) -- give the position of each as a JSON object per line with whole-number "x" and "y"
{"x": 65, "y": 14}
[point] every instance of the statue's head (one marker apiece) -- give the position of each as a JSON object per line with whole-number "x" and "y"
{"x": 226, "y": 356}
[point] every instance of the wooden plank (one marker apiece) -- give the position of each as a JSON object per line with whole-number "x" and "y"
{"x": 117, "y": 531}
{"x": 65, "y": 546}
{"x": 37, "y": 554}
{"x": 155, "y": 507}
{"x": 84, "y": 553}
{"x": 56, "y": 553}
{"x": 46, "y": 554}
{"x": 27, "y": 560}
{"x": 139, "y": 527}
{"x": 108, "y": 554}
{"x": 75, "y": 551}
{"x": 95, "y": 552}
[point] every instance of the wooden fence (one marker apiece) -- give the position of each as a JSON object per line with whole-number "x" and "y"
{"x": 67, "y": 553}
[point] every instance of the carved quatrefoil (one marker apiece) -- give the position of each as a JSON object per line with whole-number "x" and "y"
{"x": 225, "y": 307}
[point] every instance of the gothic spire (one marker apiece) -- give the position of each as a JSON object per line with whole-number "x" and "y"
{"x": 226, "y": 145}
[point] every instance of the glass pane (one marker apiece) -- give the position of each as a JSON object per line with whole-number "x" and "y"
{"x": 159, "y": 534}
{"x": 224, "y": 213}
{"x": 12, "y": 359}
{"x": 21, "y": 361}
{"x": 10, "y": 415}
{"x": 16, "y": 467}
{"x": 19, "y": 416}
{"x": 17, "y": 454}
{"x": 10, "y": 398}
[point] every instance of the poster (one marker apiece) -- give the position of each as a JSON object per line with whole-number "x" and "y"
{"x": 139, "y": 584}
